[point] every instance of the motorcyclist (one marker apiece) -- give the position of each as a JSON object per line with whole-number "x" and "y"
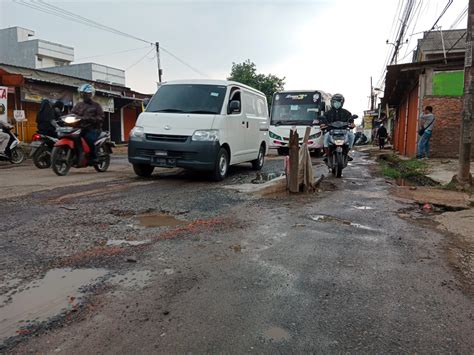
{"x": 4, "y": 137}
{"x": 335, "y": 114}
{"x": 92, "y": 117}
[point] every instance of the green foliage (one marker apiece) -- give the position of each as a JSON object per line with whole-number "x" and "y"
{"x": 246, "y": 73}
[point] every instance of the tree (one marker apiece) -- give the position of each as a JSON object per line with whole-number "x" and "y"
{"x": 246, "y": 73}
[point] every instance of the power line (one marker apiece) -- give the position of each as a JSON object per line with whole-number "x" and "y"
{"x": 459, "y": 18}
{"x": 450, "y": 2}
{"x": 112, "y": 53}
{"x": 47, "y": 8}
{"x": 141, "y": 58}
{"x": 460, "y": 38}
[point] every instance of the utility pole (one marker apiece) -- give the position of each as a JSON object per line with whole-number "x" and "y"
{"x": 464, "y": 175}
{"x": 158, "y": 62}
{"x": 371, "y": 95}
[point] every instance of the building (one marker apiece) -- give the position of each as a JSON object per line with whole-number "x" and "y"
{"x": 436, "y": 80}
{"x": 18, "y": 48}
{"x": 34, "y": 69}
{"x": 27, "y": 87}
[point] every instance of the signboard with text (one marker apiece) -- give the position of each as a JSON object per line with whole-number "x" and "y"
{"x": 3, "y": 103}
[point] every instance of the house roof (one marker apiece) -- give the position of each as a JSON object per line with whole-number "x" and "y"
{"x": 432, "y": 41}
{"x": 39, "y": 75}
{"x": 402, "y": 77}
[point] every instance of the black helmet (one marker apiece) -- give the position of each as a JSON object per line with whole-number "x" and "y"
{"x": 338, "y": 97}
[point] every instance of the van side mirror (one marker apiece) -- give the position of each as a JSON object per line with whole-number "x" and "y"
{"x": 234, "y": 107}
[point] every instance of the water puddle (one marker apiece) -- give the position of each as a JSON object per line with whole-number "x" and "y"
{"x": 363, "y": 207}
{"x": 326, "y": 218}
{"x": 122, "y": 242}
{"x": 42, "y": 299}
{"x": 276, "y": 334}
{"x": 159, "y": 220}
{"x": 265, "y": 177}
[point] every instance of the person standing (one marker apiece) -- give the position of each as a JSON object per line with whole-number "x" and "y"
{"x": 425, "y": 131}
{"x": 382, "y": 135}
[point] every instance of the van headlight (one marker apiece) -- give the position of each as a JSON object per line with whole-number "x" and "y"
{"x": 210, "y": 135}
{"x": 137, "y": 132}
{"x": 275, "y": 136}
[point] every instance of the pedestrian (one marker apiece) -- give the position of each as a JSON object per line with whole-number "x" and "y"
{"x": 382, "y": 135}
{"x": 425, "y": 131}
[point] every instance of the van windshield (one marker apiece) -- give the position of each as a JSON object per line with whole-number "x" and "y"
{"x": 188, "y": 98}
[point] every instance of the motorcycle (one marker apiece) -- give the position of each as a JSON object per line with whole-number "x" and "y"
{"x": 14, "y": 153}
{"x": 41, "y": 149}
{"x": 65, "y": 154}
{"x": 360, "y": 139}
{"x": 338, "y": 147}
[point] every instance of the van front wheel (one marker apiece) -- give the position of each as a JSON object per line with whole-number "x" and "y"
{"x": 221, "y": 166}
{"x": 257, "y": 164}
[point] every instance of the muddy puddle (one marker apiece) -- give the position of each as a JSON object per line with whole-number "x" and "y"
{"x": 159, "y": 220}
{"x": 262, "y": 178}
{"x": 276, "y": 334}
{"x": 58, "y": 291}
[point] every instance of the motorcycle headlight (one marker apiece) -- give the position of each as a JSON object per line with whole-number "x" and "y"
{"x": 211, "y": 135}
{"x": 275, "y": 136}
{"x": 137, "y": 132}
{"x": 339, "y": 142}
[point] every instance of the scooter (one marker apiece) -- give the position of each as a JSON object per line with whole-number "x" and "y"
{"x": 338, "y": 147}
{"x": 65, "y": 154}
{"x": 14, "y": 153}
{"x": 41, "y": 149}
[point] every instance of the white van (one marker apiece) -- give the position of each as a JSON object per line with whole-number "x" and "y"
{"x": 202, "y": 125}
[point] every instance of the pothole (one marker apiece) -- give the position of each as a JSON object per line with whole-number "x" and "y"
{"x": 58, "y": 291}
{"x": 276, "y": 334}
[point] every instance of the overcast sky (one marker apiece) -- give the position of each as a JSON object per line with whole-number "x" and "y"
{"x": 333, "y": 46}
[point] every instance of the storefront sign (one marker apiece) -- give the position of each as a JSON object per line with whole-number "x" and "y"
{"x": 19, "y": 115}
{"x": 36, "y": 93}
{"x": 3, "y": 103}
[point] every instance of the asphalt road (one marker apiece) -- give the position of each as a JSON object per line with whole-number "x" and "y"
{"x": 337, "y": 271}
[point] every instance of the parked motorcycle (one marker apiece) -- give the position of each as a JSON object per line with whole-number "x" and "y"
{"x": 41, "y": 148}
{"x": 14, "y": 153}
{"x": 338, "y": 147}
{"x": 65, "y": 154}
{"x": 360, "y": 139}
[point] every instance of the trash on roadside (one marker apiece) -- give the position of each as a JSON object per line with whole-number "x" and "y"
{"x": 427, "y": 207}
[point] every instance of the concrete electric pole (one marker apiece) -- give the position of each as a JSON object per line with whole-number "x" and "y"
{"x": 464, "y": 176}
{"x": 158, "y": 62}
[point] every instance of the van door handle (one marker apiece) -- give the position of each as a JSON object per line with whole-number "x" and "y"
{"x": 247, "y": 124}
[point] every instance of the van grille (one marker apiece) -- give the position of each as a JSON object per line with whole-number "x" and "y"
{"x": 166, "y": 138}
{"x": 170, "y": 154}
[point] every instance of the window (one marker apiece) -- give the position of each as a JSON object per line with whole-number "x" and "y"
{"x": 235, "y": 95}
{"x": 188, "y": 98}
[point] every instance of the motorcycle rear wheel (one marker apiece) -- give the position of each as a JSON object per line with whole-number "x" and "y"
{"x": 59, "y": 160}
{"x": 339, "y": 165}
{"x": 104, "y": 161}
{"x": 17, "y": 155}
{"x": 42, "y": 158}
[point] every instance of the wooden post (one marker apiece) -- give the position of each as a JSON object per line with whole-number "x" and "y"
{"x": 294, "y": 161}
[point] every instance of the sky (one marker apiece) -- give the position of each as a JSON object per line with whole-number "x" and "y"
{"x": 334, "y": 46}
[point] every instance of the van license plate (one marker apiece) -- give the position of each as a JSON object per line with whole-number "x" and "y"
{"x": 165, "y": 163}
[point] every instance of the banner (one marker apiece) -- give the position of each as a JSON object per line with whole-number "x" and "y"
{"x": 36, "y": 93}
{"x": 3, "y": 103}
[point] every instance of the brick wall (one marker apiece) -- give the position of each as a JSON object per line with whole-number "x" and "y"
{"x": 445, "y": 140}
